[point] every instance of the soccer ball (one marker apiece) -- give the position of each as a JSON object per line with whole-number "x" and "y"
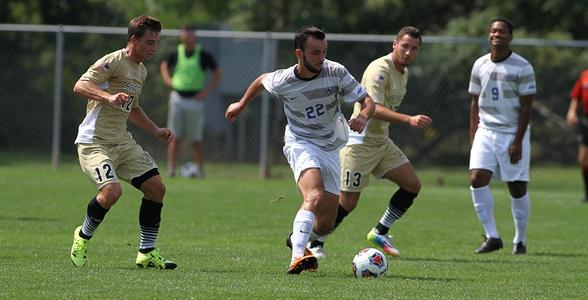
{"x": 369, "y": 262}
{"x": 190, "y": 169}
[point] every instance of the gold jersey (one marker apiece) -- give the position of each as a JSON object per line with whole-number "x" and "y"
{"x": 387, "y": 86}
{"x": 105, "y": 123}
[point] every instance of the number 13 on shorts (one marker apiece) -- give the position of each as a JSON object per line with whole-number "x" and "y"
{"x": 352, "y": 179}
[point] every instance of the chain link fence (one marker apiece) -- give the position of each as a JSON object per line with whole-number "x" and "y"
{"x": 35, "y": 89}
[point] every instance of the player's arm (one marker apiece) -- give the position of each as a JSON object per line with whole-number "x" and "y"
{"x": 90, "y": 90}
{"x": 515, "y": 150}
{"x": 217, "y": 74}
{"x": 368, "y": 107}
{"x": 165, "y": 74}
{"x": 138, "y": 117}
{"x": 388, "y": 115}
{"x": 474, "y": 117}
{"x": 253, "y": 90}
{"x": 572, "y": 116}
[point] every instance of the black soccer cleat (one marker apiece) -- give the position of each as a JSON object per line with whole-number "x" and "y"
{"x": 489, "y": 245}
{"x": 519, "y": 248}
{"x": 288, "y": 241}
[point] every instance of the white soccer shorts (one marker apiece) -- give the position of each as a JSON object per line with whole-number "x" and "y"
{"x": 490, "y": 152}
{"x": 303, "y": 155}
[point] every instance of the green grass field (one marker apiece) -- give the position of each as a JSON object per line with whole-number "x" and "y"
{"x": 227, "y": 234}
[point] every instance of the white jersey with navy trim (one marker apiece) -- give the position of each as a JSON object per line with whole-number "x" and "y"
{"x": 499, "y": 86}
{"x": 312, "y": 106}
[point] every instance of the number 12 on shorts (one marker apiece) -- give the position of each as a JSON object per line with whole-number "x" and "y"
{"x": 106, "y": 172}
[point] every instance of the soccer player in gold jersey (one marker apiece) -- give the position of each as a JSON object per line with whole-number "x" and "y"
{"x": 107, "y": 151}
{"x": 372, "y": 151}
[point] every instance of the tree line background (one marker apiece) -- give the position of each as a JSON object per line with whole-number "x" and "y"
{"x": 438, "y": 82}
{"x": 561, "y": 19}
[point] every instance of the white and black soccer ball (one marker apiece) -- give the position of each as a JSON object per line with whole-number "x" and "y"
{"x": 369, "y": 262}
{"x": 190, "y": 169}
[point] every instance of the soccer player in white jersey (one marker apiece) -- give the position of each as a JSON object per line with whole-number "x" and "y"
{"x": 502, "y": 85}
{"x": 107, "y": 151}
{"x": 372, "y": 151}
{"x": 316, "y": 130}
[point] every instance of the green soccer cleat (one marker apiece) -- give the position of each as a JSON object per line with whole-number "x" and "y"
{"x": 384, "y": 241}
{"x": 79, "y": 249}
{"x": 153, "y": 259}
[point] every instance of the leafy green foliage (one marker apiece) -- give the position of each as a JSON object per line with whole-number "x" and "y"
{"x": 540, "y": 17}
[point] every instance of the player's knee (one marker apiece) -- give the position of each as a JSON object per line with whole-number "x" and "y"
{"x": 517, "y": 189}
{"x": 478, "y": 181}
{"x": 348, "y": 200}
{"x": 161, "y": 191}
{"x": 518, "y": 193}
{"x": 109, "y": 195}
{"x": 156, "y": 192}
{"x": 414, "y": 186}
{"x": 312, "y": 200}
{"x": 350, "y": 205}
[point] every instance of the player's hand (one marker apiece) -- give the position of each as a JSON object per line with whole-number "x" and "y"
{"x": 572, "y": 118}
{"x": 420, "y": 121}
{"x": 357, "y": 124}
{"x": 201, "y": 96}
{"x": 118, "y": 99}
{"x": 233, "y": 111}
{"x": 164, "y": 134}
{"x": 515, "y": 152}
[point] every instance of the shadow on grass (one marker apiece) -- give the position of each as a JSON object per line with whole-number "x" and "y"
{"x": 388, "y": 276}
{"x": 469, "y": 261}
{"x": 28, "y": 219}
{"x": 426, "y": 278}
{"x": 552, "y": 254}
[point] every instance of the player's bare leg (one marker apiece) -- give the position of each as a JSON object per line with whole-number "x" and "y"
{"x": 198, "y": 157}
{"x": 311, "y": 187}
{"x": 347, "y": 202}
{"x": 583, "y": 161}
{"x": 173, "y": 149}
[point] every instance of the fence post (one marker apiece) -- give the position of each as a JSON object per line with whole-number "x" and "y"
{"x": 57, "y": 99}
{"x": 264, "y": 126}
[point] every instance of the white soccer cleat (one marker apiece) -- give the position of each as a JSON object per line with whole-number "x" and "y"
{"x": 318, "y": 252}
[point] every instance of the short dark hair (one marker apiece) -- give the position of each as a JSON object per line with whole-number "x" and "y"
{"x": 138, "y": 26}
{"x": 505, "y": 21}
{"x": 411, "y": 31}
{"x": 302, "y": 34}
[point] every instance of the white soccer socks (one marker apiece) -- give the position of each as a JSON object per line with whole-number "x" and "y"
{"x": 484, "y": 206}
{"x": 521, "y": 208}
{"x": 301, "y": 230}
